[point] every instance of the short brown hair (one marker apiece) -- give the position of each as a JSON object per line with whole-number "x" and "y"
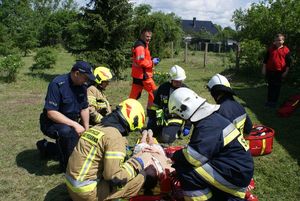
{"x": 146, "y": 30}
{"x": 279, "y": 35}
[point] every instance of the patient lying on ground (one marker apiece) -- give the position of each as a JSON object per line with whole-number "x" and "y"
{"x": 158, "y": 160}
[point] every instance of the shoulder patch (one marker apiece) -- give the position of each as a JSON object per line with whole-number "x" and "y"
{"x": 92, "y": 135}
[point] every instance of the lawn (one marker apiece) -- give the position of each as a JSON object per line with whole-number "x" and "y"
{"x": 25, "y": 177}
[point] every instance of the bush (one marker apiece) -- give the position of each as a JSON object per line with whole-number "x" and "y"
{"x": 45, "y": 58}
{"x": 160, "y": 77}
{"x": 251, "y": 55}
{"x": 9, "y": 67}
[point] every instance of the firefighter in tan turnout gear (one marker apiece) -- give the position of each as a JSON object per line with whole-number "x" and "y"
{"x": 96, "y": 169}
{"x": 98, "y": 103}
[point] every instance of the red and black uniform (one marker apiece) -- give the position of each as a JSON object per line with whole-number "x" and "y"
{"x": 276, "y": 61}
{"x": 142, "y": 71}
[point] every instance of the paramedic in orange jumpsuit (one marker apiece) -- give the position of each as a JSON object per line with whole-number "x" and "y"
{"x": 142, "y": 67}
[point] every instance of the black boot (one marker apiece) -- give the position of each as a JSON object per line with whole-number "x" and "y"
{"x": 42, "y": 147}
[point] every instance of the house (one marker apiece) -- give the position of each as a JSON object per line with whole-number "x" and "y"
{"x": 193, "y": 26}
{"x": 190, "y": 26}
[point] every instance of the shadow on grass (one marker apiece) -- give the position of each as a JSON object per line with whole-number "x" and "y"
{"x": 45, "y": 76}
{"x": 286, "y": 129}
{"x": 59, "y": 193}
{"x": 30, "y": 160}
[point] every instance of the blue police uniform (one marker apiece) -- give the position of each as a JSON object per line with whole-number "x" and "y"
{"x": 165, "y": 133}
{"x": 216, "y": 164}
{"x": 68, "y": 99}
{"x": 235, "y": 112}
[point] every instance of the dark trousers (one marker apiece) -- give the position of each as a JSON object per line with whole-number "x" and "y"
{"x": 200, "y": 184}
{"x": 274, "y": 80}
{"x": 164, "y": 134}
{"x": 65, "y": 136}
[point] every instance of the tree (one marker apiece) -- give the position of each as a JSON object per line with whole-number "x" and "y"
{"x": 55, "y": 27}
{"x": 102, "y": 34}
{"x": 265, "y": 19}
{"x": 16, "y": 17}
{"x": 166, "y": 28}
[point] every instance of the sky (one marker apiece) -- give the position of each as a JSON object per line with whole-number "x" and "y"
{"x": 218, "y": 11}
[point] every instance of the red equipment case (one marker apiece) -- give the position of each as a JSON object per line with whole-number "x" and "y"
{"x": 260, "y": 140}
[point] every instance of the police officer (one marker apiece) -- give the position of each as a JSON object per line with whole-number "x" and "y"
{"x": 98, "y": 103}
{"x": 166, "y": 126}
{"x": 216, "y": 164}
{"x": 96, "y": 168}
{"x": 65, "y": 115}
{"x": 221, "y": 91}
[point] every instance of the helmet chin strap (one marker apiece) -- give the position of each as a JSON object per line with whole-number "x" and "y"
{"x": 115, "y": 120}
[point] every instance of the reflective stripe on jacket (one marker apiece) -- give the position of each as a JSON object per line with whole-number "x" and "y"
{"x": 236, "y": 114}
{"x": 99, "y": 154}
{"x": 98, "y": 105}
{"x": 218, "y": 156}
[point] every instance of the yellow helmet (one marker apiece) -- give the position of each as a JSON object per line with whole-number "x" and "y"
{"x": 102, "y": 74}
{"x": 133, "y": 113}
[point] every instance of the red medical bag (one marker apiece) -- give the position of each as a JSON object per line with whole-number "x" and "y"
{"x": 260, "y": 140}
{"x": 289, "y": 106}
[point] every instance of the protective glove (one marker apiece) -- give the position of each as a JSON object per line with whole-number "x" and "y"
{"x": 159, "y": 117}
{"x": 185, "y": 131}
{"x": 155, "y": 61}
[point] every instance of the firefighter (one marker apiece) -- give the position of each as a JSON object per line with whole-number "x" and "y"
{"x": 216, "y": 164}
{"x": 142, "y": 67}
{"x": 166, "y": 126}
{"x": 96, "y": 168}
{"x": 98, "y": 103}
{"x": 65, "y": 115}
{"x": 221, "y": 91}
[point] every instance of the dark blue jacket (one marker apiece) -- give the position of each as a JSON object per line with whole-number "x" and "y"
{"x": 216, "y": 152}
{"x": 65, "y": 97}
{"x": 235, "y": 113}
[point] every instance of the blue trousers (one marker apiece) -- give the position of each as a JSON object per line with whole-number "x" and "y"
{"x": 65, "y": 136}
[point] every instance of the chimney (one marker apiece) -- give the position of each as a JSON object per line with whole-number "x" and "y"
{"x": 194, "y": 22}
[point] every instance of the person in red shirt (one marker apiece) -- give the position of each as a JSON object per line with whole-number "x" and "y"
{"x": 276, "y": 66}
{"x": 142, "y": 67}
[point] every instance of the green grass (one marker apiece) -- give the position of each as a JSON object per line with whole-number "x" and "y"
{"x": 25, "y": 177}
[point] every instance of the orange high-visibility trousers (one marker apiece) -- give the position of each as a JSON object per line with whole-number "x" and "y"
{"x": 137, "y": 88}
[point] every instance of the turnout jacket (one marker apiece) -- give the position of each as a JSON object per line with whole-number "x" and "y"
{"x": 142, "y": 65}
{"x": 99, "y": 155}
{"x": 161, "y": 101}
{"x": 236, "y": 114}
{"x": 217, "y": 155}
{"x": 98, "y": 104}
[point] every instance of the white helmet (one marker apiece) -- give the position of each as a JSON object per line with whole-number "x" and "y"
{"x": 188, "y": 105}
{"x": 219, "y": 83}
{"x": 177, "y": 73}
